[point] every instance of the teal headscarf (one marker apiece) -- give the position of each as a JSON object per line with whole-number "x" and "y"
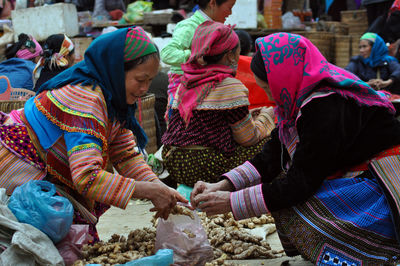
{"x": 104, "y": 66}
{"x": 379, "y": 51}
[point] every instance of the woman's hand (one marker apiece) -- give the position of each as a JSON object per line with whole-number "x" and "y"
{"x": 204, "y": 187}
{"x": 163, "y": 197}
{"x": 214, "y": 202}
{"x": 381, "y": 84}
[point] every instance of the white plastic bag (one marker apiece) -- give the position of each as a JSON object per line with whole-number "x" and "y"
{"x": 186, "y": 237}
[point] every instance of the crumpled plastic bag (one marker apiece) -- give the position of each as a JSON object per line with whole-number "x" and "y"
{"x": 290, "y": 21}
{"x": 35, "y": 203}
{"x": 135, "y": 12}
{"x": 186, "y": 237}
{"x": 71, "y": 245}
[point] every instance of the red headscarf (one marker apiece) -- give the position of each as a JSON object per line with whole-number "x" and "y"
{"x": 210, "y": 38}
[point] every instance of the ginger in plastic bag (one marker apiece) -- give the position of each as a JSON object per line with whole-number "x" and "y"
{"x": 186, "y": 237}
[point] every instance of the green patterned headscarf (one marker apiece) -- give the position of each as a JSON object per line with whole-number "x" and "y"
{"x": 137, "y": 44}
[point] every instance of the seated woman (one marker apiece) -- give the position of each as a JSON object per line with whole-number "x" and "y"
{"x": 211, "y": 129}
{"x": 375, "y": 66}
{"x": 21, "y": 60}
{"x": 58, "y": 55}
{"x": 79, "y": 122}
{"x": 330, "y": 173}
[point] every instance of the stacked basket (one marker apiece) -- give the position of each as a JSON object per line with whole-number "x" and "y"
{"x": 323, "y": 41}
{"x": 145, "y": 115}
{"x": 358, "y": 23}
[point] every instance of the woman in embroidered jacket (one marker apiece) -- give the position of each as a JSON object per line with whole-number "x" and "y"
{"x": 211, "y": 129}
{"x": 81, "y": 120}
{"x": 336, "y": 152}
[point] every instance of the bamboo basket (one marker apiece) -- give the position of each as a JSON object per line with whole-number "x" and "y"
{"x": 355, "y": 42}
{"x": 354, "y": 16}
{"x": 343, "y": 50}
{"x": 357, "y": 21}
{"x": 145, "y": 116}
{"x": 323, "y": 41}
{"x": 8, "y": 106}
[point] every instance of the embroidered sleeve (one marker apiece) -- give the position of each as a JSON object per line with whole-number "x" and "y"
{"x": 248, "y": 202}
{"x": 126, "y": 160}
{"x": 243, "y": 176}
{"x": 249, "y": 131}
{"x": 89, "y": 178}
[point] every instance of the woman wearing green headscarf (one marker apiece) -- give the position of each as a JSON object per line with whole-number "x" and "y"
{"x": 82, "y": 120}
{"x": 374, "y": 65}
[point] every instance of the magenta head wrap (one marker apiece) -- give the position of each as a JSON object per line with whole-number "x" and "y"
{"x": 210, "y": 38}
{"x": 27, "y": 54}
{"x": 296, "y": 68}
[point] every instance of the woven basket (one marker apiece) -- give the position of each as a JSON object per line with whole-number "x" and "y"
{"x": 354, "y": 16}
{"x": 342, "y": 50}
{"x": 145, "y": 115}
{"x": 8, "y": 106}
{"x": 323, "y": 41}
{"x": 355, "y": 43}
{"x": 152, "y": 18}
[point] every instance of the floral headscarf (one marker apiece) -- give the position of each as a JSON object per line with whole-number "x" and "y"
{"x": 296, "y": 68}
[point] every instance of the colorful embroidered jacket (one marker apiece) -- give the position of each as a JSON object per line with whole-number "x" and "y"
{"x": 71, "y": 131}
{"x": 222, "y": 120}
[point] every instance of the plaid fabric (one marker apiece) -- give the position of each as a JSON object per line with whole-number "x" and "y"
{"x": 347, "y": 222}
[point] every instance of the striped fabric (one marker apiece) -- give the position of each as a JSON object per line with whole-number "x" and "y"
{"x": 137, "y": 44}
{"x": 249, "y": 131}
{"x": 347, "y": 222}
{"x": 243, "y": 176}
{"x": 77, "y": 160}
{"x": 248, "y": 202}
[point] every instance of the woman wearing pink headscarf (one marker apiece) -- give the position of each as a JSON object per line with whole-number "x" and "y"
{"x": 336, "y": 150}
{"x": 211, "y": 129}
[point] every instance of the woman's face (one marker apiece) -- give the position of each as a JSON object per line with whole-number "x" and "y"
{"x": 219, "y": 13}
{"x": 264, "y": 85}
{"x": 138, "y": 79}
{"x": 365, "y": 48}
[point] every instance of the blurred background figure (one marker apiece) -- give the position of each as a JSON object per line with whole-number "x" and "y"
{"x": 58, "y": 55}
{"x": 21, "y": 61}
{"x": 374, "y": 65}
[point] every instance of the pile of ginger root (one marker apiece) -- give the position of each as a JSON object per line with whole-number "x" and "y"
{"x": 229, "y": 239}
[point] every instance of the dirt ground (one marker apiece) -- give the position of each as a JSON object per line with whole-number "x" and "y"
{"x": 137, "y": 215}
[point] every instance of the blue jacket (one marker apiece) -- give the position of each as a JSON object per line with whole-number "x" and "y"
{"x": 387, "y": 70}
{"x": 19, "y": 72}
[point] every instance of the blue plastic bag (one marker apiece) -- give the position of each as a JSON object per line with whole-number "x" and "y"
{"x": 163, "y": 257}
{"x": 34, "y": 203}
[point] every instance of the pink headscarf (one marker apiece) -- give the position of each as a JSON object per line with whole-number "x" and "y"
{"x": 210, "y": 38}
{"x": 296, "y": 68}
{"x": 27, "y": 54}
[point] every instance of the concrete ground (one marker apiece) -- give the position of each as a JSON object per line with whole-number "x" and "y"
{"x": 137, "y": 215}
